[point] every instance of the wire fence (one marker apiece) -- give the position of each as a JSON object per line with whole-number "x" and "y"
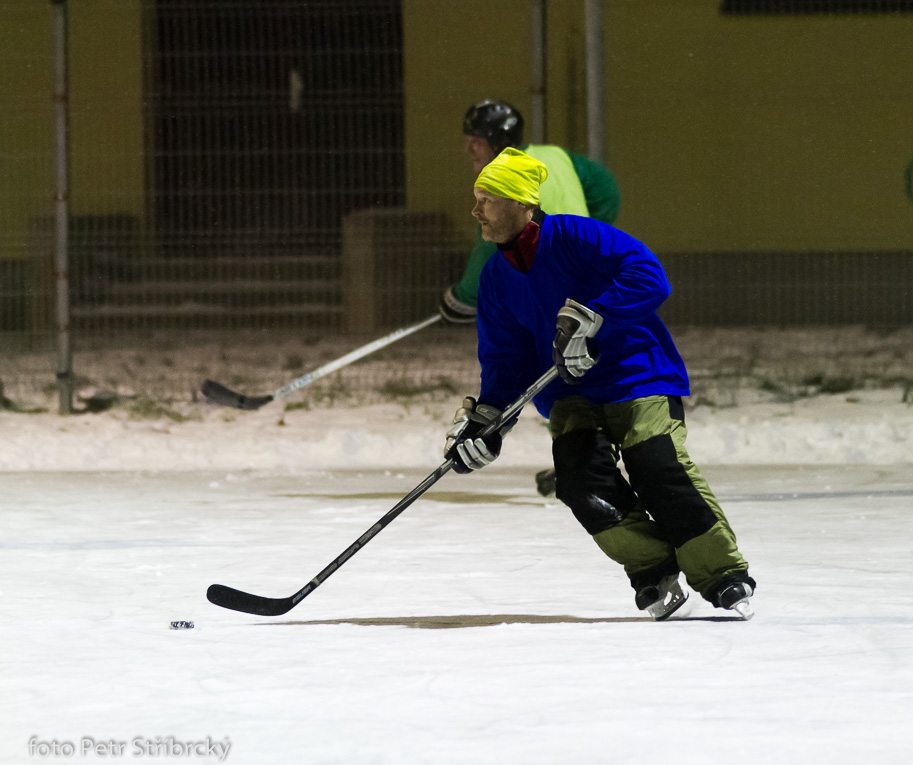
{"x": 259, "y": 185}
{"x": 250, "y": 176}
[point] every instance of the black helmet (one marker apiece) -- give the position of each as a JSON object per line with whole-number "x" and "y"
{"x": 496, "y": 121}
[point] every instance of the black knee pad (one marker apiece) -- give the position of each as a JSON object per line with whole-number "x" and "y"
{"x": 589, "y": 482}
{"x": 666, "y": 490}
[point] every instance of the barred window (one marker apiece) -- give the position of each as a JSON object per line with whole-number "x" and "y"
{"x": 273, "y": 119}
{"x": 808, "y": 7}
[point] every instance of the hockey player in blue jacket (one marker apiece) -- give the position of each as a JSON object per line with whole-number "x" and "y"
{"x": 574, "y": 291}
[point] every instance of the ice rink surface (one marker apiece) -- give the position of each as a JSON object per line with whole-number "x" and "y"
{"x": 482, "y": 626}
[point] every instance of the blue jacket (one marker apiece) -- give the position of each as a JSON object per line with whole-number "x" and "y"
{"x": 603, "y": 268}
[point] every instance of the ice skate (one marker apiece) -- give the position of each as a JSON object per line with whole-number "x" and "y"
{"x": 545, "y": 482}
{"x": 663, "y": 599}
{"x": 737, "y": 597}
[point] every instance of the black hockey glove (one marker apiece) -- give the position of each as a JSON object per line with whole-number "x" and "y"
{"x": 573, "y": 350}
{"x": 468, "y": 451}
{"x": 455, "y": 311}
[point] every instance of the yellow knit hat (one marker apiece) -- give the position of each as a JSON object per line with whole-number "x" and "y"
{"x": 514, "y": 175}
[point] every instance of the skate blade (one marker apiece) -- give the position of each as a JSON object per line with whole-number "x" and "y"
{"x": 661, "y": 611}
{"x": 743, "y": 608}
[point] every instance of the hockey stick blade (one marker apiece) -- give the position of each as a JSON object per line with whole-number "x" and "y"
{"x": 228, "y": 597}
{"x": 236, "y": 600}
{"x": 219, "y": 394}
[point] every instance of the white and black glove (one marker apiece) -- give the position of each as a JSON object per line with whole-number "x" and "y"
{"x": 573, "y": 350}
{"x": 464, "y": 446}
{"x": 455, "y": 311}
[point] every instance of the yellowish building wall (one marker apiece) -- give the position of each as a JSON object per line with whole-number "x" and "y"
{"x": 761, "y": 133}
{"x": 26, "y": 123}
{"x": 455, "y": 56}
{"x": 725, "y": 133}
{"x": 106, "y": 137}
{"x": 106, "y": 91}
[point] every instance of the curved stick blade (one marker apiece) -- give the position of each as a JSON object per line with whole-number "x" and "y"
{"x": 219, "y": 394}
{"x": 228, "y": 597}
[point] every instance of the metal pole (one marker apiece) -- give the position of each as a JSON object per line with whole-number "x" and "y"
{"x": 595, "y": 109}
{"x": 537, "y": 74}
{"x": 61, "y": 213}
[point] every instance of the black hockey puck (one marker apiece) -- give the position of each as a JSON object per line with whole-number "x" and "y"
{"x": 182, "y": 625}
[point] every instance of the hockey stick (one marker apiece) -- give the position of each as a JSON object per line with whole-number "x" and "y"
{"x": 228, "y": 597}
{"x": 219, "y": 394}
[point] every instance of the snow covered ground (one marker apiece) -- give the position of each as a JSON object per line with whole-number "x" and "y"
{"x": 482, "y": 626}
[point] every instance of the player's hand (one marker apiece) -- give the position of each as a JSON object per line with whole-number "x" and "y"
{"x": 468, "y": 450}
{"x": 455, "y": 311}
{"x": 573, "y": 350}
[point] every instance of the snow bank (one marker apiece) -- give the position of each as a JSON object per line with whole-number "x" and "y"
{"x": 874, "y": 427}
{"x": 759, "y": 396}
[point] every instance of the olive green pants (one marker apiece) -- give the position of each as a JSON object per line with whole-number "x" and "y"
{"x": 663, "y": 517}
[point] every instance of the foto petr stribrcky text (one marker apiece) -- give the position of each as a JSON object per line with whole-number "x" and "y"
{"x": 136, "y": 747}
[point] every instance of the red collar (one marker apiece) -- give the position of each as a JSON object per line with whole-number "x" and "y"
{"x": 520, "y": 252}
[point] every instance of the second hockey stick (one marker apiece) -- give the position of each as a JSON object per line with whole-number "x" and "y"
{"x": 236, "y": 600}
{"x": 219, "y": 394}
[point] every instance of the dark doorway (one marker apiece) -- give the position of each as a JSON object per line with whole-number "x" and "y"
{"x": 272, "y": 120}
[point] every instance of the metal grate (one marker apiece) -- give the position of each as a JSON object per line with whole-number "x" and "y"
{"x": 273, "y": 120}
{"x": 805, "y": 7}
{"x": 246, "y": 179}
